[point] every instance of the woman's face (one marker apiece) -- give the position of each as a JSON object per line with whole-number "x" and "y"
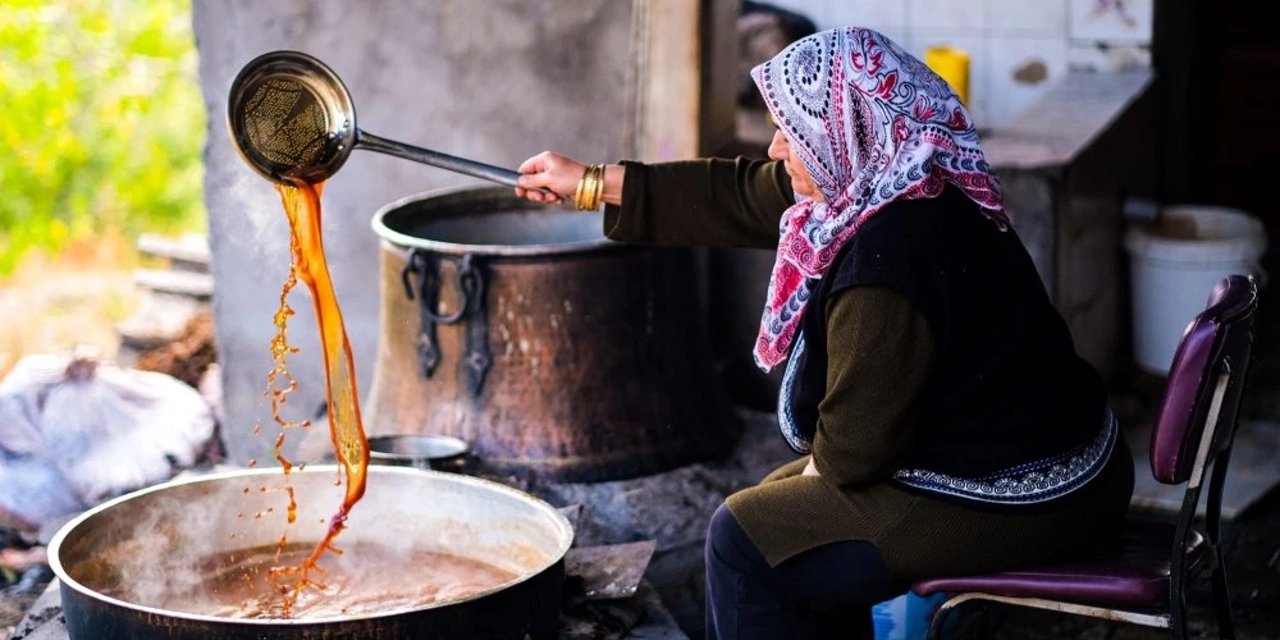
{"x": 801, "y": 183}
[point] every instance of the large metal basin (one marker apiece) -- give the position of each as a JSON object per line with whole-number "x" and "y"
{"x": 117, "y": 561}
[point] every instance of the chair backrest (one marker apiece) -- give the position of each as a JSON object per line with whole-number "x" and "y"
{"x": 1205, "y": 384}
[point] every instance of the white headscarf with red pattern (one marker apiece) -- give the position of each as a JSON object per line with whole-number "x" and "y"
{"x": 872, "y": 124}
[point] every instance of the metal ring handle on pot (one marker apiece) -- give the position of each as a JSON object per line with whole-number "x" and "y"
{"x": 471, "y": 286}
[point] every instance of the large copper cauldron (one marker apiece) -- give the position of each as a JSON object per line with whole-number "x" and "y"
{"x": 117, "y": 561}
{"x": 555, "y": 352}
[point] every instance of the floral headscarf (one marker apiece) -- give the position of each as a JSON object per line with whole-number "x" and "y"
{"x": 872, "y": 124}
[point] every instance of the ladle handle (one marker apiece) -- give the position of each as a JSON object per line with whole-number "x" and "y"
{"x": 437, "y": 159}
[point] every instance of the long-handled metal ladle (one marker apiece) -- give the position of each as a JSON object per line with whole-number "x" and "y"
{"x": 291, "y": 118}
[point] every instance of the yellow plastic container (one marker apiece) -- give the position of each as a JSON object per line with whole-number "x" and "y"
{"x": 952, "y": 65}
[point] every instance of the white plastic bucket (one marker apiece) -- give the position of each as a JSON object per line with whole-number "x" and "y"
{"x": 1174, "y": 265}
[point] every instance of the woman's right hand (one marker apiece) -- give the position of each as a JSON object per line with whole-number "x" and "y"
{"x": 550, "y": 171}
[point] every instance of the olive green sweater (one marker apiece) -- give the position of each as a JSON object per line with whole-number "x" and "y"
{"x": 875, "y": 376}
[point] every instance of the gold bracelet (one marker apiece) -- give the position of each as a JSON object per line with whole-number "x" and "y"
{"x": 582, "y": 188}
{"x": 599, "y": 192}
{"x": 593, "y": 178}
{"x": 590, "y": 188}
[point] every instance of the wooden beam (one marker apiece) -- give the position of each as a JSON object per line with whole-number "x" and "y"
{"x": 668, "y": 79}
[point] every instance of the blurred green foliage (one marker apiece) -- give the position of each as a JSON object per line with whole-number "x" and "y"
{"x": 101, "y": 122}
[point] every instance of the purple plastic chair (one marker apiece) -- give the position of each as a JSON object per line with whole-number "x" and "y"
{"x": 1144, "y": 580}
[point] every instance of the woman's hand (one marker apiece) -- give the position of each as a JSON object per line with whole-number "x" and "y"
{"x": 809, "y": 469}
{"x": 559, "y": 174}
{"x": 552, "y": 172}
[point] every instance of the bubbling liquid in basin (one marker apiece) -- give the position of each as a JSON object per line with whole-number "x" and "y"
{"x": 370, "y": 579}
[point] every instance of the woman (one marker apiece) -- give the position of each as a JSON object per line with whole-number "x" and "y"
{"x": 949, "y": 426}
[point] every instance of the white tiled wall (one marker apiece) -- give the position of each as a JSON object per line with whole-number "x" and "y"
{"x": 951, "y": 15}
{"x": 1017, "y": 48}
{"x": 1027, "y": 17}
{"x": 1020, "y": 68}
{"x": 1127, "y": 21}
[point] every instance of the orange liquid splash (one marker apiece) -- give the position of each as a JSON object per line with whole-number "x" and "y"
{"x": 302, "y": 206}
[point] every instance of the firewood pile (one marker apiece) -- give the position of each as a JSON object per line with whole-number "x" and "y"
{"x": 188, "y": 356}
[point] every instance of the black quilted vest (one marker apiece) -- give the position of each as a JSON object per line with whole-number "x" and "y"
{"x": 1007, "y": 386}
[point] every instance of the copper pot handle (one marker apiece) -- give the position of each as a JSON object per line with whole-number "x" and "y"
{"x": 471, "y": 284}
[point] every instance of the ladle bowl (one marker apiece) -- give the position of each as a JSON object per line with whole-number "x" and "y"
{"x": 292, "y": 119}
